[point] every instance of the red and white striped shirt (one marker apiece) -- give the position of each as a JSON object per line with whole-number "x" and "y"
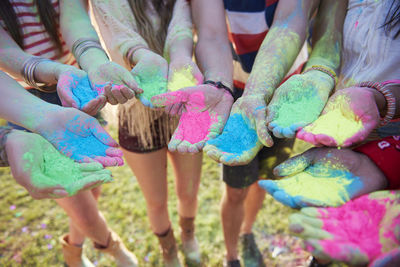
{"x": 36, "y": 40}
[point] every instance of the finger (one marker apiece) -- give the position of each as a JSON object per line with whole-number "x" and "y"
{"x": 114, "y": 152}
{"x": 174, "y": 109}
{"x": 277, "y": 132}
{"x": 212, "y": 152}
{"x": 295, "y": 164}
{"x": 99, "y": 172}
{"x": 303, "y": 202}
{"x": 262, "y": 130}
{"x": 102, "y": 102}
{"x": 285, "y": 199}
{"x": 127, "y": 93}
{"x": 116, "y": 92}
{"x": 287, "y": 132}
{"x": 67, "y": 98}
{"x": 306, "y": 136}
{"x": 169, "y": 98}
{"x": 109, "y": 95}
{"x": 91, "y": 107}
{"x": 183, "y": 147}
{"x": 270, "y": 186}
{"x": 298, "y": 220}
{"x": 90, "y": 167}
{"x": 107, "y": 161}
{"x": 320, "y": 213}
{"x": 129, "y": 80}
{"x": 173, "y": 143}
{"x": 313, "y": 246}
{"x": 326, "y": 140}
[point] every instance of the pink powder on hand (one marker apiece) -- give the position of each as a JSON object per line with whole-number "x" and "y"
{"x": 195, "y": 122}
{"x": 356, "y": 223}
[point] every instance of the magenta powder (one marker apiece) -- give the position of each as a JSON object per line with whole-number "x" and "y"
{"x": 356, "y": 223}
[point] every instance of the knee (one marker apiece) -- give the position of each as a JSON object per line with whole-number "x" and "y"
{"x": 236, "y": 196}
{"x": 186, "y": 196}
{"x": 157, "y": 206}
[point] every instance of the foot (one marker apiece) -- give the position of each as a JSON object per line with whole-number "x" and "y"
{"x": 232, "y": 263}
{"x": 191, "y": 251}
{"x": 251, "y": 255}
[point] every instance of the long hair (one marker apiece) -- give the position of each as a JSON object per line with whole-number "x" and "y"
{"x": 155, "y": 39}
{"x": 48, "y": 17}
{"x": 392, "y": 21}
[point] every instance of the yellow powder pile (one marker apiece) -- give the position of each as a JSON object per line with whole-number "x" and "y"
{"x": 330, "y": 190}
{"x": 181, "y": 79}
{"x": 337, "y": 124}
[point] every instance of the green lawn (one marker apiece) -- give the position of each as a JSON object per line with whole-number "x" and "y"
{"x": 29, "y": 229}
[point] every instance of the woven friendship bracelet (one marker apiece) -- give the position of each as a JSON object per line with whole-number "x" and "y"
{"x": 28, "y": 72}
{"x": 390, "y": 99}
{"x": 326, "y": 70}
{"x": 220, "y": 85}
{"x": 129, "y": 53}
{"x": 84, "y": 44}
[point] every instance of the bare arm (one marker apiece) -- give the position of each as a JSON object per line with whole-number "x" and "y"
{"x": 213, "y": 52}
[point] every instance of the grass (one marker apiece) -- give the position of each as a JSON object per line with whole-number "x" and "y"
{"x": 29, "y": 229}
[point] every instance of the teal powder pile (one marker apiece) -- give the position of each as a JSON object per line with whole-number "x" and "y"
{"x": 152, "y": 84}
{"x": 58, "y": 170}
{"x": 236, "y": 137}
{"x": 304, "y": 109}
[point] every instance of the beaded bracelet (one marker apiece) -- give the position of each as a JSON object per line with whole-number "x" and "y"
{"x": 220, "y": 85}
{"x": 28, "y": 72}
{"x": 129, "y": 53}
{"x": 326, "y": 70}
{"x": 4, "y": 131}
{"x": 390, "y": 99}
{"x": 82, "y": 45}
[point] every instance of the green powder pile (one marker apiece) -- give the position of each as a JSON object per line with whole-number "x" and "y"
{"x": 325, "y": 190}
{"x": 181, "y": 79}
{"x": 152, "y": 84}
{"x": 58, "y": 169}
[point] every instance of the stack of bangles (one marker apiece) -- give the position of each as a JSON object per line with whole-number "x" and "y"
{"x": 28, "y": 72}
{"x": 82, "y": 45}
{"x": 390, "y": 99}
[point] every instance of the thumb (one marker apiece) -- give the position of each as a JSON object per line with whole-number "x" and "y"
{"x": 170, "y": 98}
{"x": 295, "y": 165}
{"x": 130, "y": 82}
{"x": 262, "y": 130}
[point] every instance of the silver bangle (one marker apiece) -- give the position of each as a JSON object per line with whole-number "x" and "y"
{"x": 28, "y": 72}
{"x": 84, "y": 44}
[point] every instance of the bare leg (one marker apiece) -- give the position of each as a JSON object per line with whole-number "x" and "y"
{"x": 87, "y": 221}
{"x": 187, "y": 169}
{"x": 232, "y": 213}
{"x": 252, "y": 205}
{"x": 150, "y": 170}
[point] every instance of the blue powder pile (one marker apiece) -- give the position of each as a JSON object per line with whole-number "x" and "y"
{"x": 237, "y": 137}
{"x": 83, "y": 92}
{"x": 79, "y": 147}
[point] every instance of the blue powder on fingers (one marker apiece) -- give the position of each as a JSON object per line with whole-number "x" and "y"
{"x": 236, "y": 137}
{"x": 83, "y": 91}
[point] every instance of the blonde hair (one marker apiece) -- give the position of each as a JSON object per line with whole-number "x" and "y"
{"x": 155, "y": 39}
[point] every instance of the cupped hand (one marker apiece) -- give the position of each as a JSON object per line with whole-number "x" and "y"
{"x": 46, "y": 173}
{"x": 114, "y": 81}
{"x": 244, "y": 134}
{"x": 324, "y": 177}
{"x": 79, "y": 136}
{"x": 183, "y": 72}
{"x": 151, "y": 74}
{"x": 203, "y": 110}
{"x": 348, "y": 118}
{"x": 298, "y": 102}
{"x": 74, "y": 90}
{"x": 362, "y": 231}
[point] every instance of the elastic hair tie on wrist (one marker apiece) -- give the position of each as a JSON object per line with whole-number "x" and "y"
{"x": 220, "y": 85}
{"x": 390, "y": 99}
{"x": 129, "y": 53}
{"x": 326, "y": 70}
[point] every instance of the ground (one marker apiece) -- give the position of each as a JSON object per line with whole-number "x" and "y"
{"x": 29, "y": 229}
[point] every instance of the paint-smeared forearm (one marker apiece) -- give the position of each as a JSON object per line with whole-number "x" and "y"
{"x": 327, "y": 35}
{"x": 179, "y": 40}
{"x": 213, "y": 52}
{"x": 117, "y": 27}
{"x": 75, "y": 24}
{"x": 280, "y": 47}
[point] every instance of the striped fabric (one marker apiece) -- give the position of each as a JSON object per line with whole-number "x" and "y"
{"x": 249, "y": 22}
{"x": 36, "y": 40}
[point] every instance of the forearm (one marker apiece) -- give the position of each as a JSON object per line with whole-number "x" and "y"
{"x": 19, "y": 106}
{"x": 280, "y": 47}
{"x": 213, "y": 51}
{"x": 327, "y": 35}
{"x": 75, "y": 24}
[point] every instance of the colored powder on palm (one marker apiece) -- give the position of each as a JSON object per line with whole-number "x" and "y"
{"x": 152, "y": 84}
{"x": 236, "y": 137}
{"x": 181, "y": 79}
{"x": 195, "y": 123}
{"x": 58, "y": 169}
{"x": 296, "y": 111}
{"x": 330, "y": 191}
{"x": 336, "y": 125}
{"x": 357, "y": 222}
{"x": 84, "y": 92}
